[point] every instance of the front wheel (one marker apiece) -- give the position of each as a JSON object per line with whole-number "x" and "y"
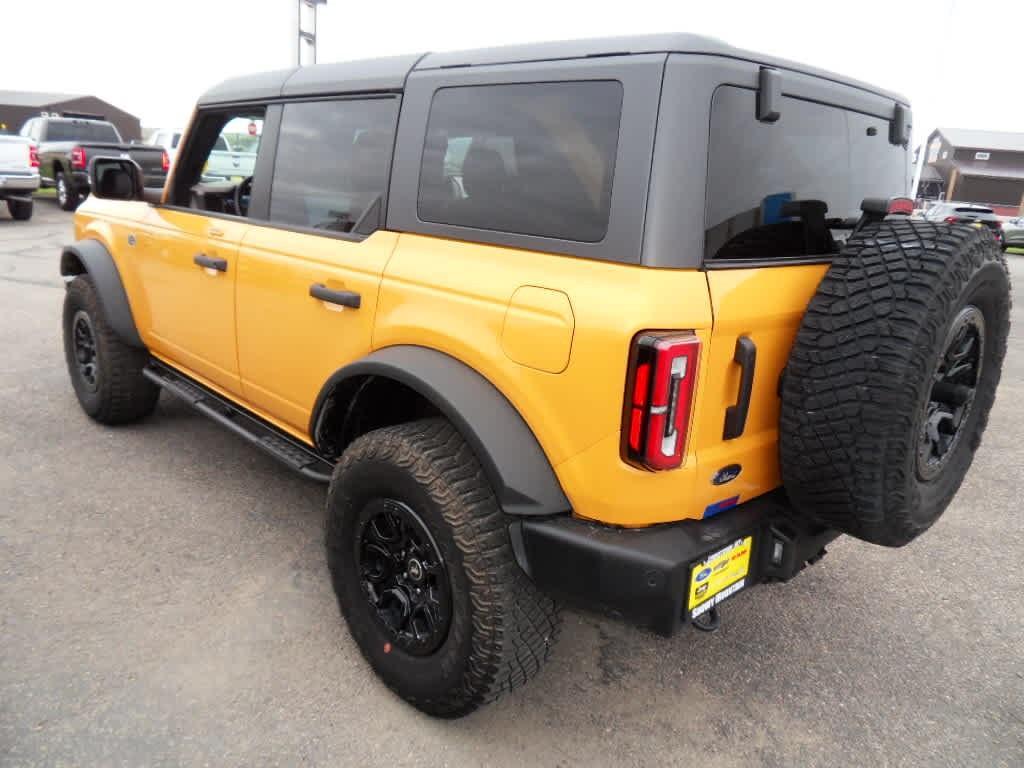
{"x": 105, "y": 372}
{"x": 423, "y": 569}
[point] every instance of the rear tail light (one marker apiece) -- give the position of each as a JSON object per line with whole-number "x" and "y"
{"x": 902, "y": 205}
{"x": 951, "y": 220}
{"x": 78, "y": 158}
{"x": 33, "y": 156}
{"x": 659, "y": 399}
{"x": 165, "y": 162}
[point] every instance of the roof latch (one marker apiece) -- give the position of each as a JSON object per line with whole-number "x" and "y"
{"x": 769, "y": 94}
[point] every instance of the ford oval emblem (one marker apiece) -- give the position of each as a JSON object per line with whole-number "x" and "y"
{"x": 727, "y": 474}
{"x": 703, "y": 574}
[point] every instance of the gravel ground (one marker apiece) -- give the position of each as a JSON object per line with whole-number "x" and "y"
{"x": 164, "y": 601}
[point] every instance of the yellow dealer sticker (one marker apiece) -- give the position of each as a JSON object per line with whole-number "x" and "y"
{"x": 722, "y": 574}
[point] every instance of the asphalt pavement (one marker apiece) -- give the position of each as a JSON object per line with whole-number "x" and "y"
{"x": 164, "y": 600}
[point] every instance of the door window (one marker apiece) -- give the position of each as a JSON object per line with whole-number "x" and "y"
{"x": 332, "y": 164}
{"x": 218, "y": 170}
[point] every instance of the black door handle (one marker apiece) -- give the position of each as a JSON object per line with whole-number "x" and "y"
{"x": 736, "y": 415}
{"x": 221, "y": 265}
{"x": 344, "y": 298}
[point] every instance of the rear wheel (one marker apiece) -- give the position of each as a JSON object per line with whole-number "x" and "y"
{"x": 20, "y": 210}
{"x": 423, "y": 569}
{"x": 892, "y": 376}
{"x": 67, "y": 196}
{"x": 105, "y": 372}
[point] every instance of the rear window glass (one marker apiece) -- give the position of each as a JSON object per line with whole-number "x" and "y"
{"x": 531, "y": 159}
{"x": 782, "y": 189}
{"x": 72, "y": 131}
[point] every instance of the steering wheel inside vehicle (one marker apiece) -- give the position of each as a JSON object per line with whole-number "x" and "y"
{"x": 242, "y": 194}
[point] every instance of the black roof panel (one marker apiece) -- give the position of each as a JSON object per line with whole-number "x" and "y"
{"x": 388, "y": 74}
{"x": 384, "y": 74}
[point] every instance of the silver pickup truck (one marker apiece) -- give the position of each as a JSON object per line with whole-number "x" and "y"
{"x": 19, "y": 175}
{"x": 225, "y": 163}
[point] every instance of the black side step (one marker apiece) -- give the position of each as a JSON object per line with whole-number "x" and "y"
{"x": 281, "y": 446}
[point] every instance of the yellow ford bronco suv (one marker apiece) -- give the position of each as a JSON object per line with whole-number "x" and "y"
{"x": 633, "y": 323}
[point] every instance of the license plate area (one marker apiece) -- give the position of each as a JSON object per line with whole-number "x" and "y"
{"x": 719, "y": 575}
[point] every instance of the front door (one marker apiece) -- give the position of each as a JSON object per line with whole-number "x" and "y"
{"x": 188, "y": 274}
{"x": 308, "y": 279}
{"x": 189, "y": 255}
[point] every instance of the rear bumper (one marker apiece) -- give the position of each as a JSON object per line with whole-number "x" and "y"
{"x": 18, "y": 185}
{"x": 643, "y": 576}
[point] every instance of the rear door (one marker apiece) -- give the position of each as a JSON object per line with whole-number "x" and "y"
{"x": 768, "y": 242}
{"x": 309, "y": 276}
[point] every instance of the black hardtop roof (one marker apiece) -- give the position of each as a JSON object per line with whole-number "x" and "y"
{"x": 389, "y": 73}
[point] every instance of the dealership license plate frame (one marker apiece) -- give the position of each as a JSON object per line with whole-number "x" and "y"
{"x": 719, "y": 575}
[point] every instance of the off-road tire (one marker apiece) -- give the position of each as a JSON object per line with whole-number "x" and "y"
{"x": 67, "y": 196}
{"x": 502, "y": 628}
{"x": 20, "y": 210}
{"x": 861, "y": 371}
{"x": 121, "y": 393}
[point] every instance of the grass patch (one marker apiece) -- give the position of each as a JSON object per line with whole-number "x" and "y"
{"x": 48, "y": 193}
{"x": 1018, "y": 251}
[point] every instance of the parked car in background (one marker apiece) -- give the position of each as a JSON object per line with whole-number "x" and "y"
{"x": 67, "y": 144}
{"x": 967, "y": 213}
{"x": 19, "y": 175}
{"x": 226, "y": 162}
{"x": 1013, "y": 233}
{"x": 167, "y": 139}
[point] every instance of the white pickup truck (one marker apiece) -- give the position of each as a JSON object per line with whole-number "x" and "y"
{"x": 19, "y": 175}
{"x": 225, "y": 163}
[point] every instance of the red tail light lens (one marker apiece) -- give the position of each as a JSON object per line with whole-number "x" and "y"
{"x": 660, "y": 387}
{"x": 951, "y": 220}
{"x": 165, "y": 162}
{"x": 78, "y": 158}
{"x": 33, "y": 156}
{"x": 902, "y": 205}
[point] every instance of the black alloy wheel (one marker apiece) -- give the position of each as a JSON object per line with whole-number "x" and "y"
{"x": 954, "y": 386}
{"x": 403, "y": 576}
{"x": 84, "y": 345}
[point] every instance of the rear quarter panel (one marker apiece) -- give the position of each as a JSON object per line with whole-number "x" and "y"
{"x": 455, "y": 297}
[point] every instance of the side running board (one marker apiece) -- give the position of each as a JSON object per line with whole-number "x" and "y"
{"x": 281, "y": 446}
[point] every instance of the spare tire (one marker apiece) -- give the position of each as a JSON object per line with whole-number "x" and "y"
{"x": 891, "y": 378}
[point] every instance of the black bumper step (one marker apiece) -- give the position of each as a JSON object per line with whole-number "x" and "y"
{"x": 281, "y": 446}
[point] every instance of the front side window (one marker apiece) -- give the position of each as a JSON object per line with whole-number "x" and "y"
{"x": 217, "y": 172}
{"x": 332, "y": 164}
{"x": 532, "y": 159}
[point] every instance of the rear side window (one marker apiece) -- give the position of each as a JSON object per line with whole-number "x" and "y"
{"x": 332, "y": 164}
{"x": 782, "y": 190}
{"x": 530, "y": 159}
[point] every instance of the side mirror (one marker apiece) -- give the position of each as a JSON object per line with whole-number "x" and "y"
{"x": 116, "y": 178}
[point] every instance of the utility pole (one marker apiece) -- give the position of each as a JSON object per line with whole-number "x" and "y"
{"x": 306, "y": 27}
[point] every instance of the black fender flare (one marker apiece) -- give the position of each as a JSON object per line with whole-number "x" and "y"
{"x": 92, "y": 257}
{"x": 512, "y": 459}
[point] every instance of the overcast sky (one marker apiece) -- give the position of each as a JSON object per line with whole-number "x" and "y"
{"x": 959, "y": 61}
